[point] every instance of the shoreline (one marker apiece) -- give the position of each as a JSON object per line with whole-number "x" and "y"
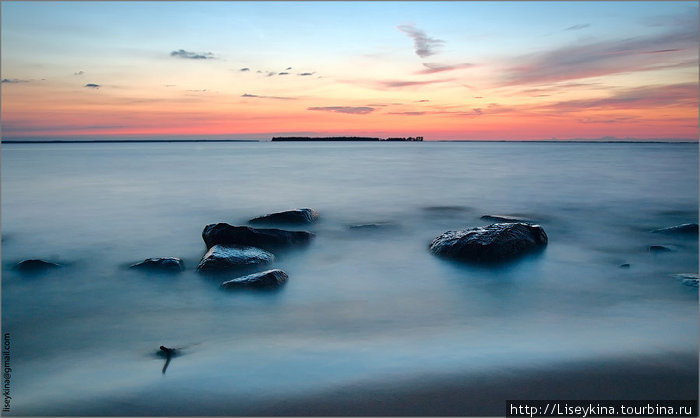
{"x": 662, "y": 376}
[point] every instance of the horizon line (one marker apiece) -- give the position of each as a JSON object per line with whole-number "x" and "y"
{"x": 574, "y": 140}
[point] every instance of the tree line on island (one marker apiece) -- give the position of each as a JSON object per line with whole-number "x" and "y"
{"x": 344, "y": 138}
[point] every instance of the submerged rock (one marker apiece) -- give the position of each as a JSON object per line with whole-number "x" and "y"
{"x": 165, "y": 264}
{"x": 373, "y": 226}
{"x": 220, "y": 258}
{"x": 659, "y": 249}
{"x": 264, "y": 279}
{"x": 688, "y": 279}
{"x": 506, "y": 219}
{"x": 35, "y": 266}
{"x": 267, "y": 238}
{"x": 625, "y": 266}
{"x": 294, "y": 216}
{"x": 679, "y": 229}
{"x": 492, "y": 243}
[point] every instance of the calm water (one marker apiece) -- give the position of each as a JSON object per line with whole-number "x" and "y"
{"x": 360, "y": 305}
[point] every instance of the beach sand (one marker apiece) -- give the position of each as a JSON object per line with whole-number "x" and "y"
{"x": 671, "y": 375}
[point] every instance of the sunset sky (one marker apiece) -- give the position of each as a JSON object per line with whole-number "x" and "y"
{"x": 443, "y": 70}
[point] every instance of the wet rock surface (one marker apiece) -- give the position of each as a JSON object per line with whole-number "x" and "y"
{"x": 164, "y": 264}
{"x": 35, "y": 266}
{"x": 267, "y": 238}
{"x": 263, "y": 280}
{"x": 507, "y": 219}
{"x": 688, "y": 279}
{"x": 373, "y": 226}
{"x": 684, "y": 229}
{"x": 293, "y": 217}
{"x": 220, "y": 258}
{"x": 492, "y": 243}
{"x": 659, "y": 249}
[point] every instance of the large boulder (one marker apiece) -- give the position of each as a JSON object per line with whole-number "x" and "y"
{"x": 35, "y": 266}
{"x": 294, "y": 216}
{"x": 164, "y": 264}
{"x": 267, "y": 238}
{"x": 690, "y": 229}
{"x": 264, "y": 279}
{"x": 220, "y": 258}
{"x": 492, "y": 243}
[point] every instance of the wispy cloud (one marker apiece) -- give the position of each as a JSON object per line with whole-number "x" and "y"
{"x": 408, "y": 113}
{"x": 403, "y": 83}
{"x": 255, "y": 96}
{"x": 672, "y": 49}
{"x": 459, "y": 113}
{"x": 431, "y": 67}
{"x": 13, "y": 81}
{"x": 283, "y": 73}
{"x": 181, "y": 53}
{"x": 306, "y": 74}
{"x": 423, "y": 44}
{"x": 244, "y": 69}
{"x": 579, "y": 26}
{"x": 92, "y": 86}
{"x": 354, "y": 110}
{"x": 79, "y": 73}
{"x": 647, "y": 97}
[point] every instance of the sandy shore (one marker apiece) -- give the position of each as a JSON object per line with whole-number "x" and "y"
{"x": 670, "y": 376}
{"x": 663, "y": 376}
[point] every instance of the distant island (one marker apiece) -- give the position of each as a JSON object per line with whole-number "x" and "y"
{"x": 343, "y": 138}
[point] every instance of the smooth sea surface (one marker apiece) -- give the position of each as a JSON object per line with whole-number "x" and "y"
{"x": 360, "y": 305}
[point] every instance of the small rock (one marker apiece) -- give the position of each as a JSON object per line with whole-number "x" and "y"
{"x": 506, "y": 219}
{"x": 267, "y": 238}
{"x": 688, "y": 279}
{"x": 35, "y": 266}
{"x": 659, "y": 249}
{"x": 492, "y": 243}
{"x": 265, "y": 279}
{"x": 372, "y": 226}
{"x": 165, "y": 264}
{"x": 294, "y": 216}
{"x": 220, "y": 258}
{"x": 679, "y": 229}
{"x": 625, "y": 266}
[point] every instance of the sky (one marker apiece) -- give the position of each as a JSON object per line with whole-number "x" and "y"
{"x": 456, "y": 70}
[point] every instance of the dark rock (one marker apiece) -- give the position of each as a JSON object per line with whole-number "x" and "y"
{"x": 492, "y": 243}
{"x": 679, "y": 229}
{"x": 372, "y": 226}
{"x": 165, "y": 264}
{"x": 624, "y": 266}
{"x": 294, "y": 216}
{"x": 690, "y": 282}
{"x": 659, "y": 249}
{"x": 35, "y": 266}
{"x": 268, "y": 238}
{"x": 264, "y": 279}
{"x": 506, "y": 219}
{"x": 220, "y": 258}
{"x": 688, "y": 279}
{"x": 167, "y": 351}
